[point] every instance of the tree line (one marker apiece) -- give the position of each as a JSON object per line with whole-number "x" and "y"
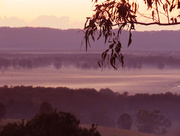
{"x": 86, "y": 61}
{"x": 102, "y": 107}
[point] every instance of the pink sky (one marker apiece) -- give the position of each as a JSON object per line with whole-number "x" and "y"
{"x": 63, "y": 14}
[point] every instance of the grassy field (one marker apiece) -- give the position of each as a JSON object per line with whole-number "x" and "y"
{"x": 106, "y": 131}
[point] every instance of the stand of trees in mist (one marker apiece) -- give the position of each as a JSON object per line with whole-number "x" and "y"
{"x": 102, "y": 107}
{"x": 86, "y": 61}
{"x": 49, "y": 124}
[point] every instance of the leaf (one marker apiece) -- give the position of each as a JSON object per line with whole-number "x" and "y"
{"x": 117, "y": 49}
{"x": 121, "y": 27}
{"x": 106, "y": 36}
{"x": 104, "y": 54}
{"x": 111, "y": 46}
{"x": 130, "y": 39}
{"x": 99, "y": 64}
{"x": 168, "y": 2}
{"x": 122, "y": 60}
{"x": 119, "y": 44}
{"x": 172, "y": 7}
{"x": 112, "y": 62}
{"x": 107, "y": 50}
{"x": 99, "y": 34}
{"x": 104, "y": 57}
{"x": 175, "y": 20}
{"x": 87, "y": 39}
{"x": 153, "y": 15}
{"x": 85, "y": 25}
{"x": 112, "y": 52}
{"x": 149, "y": 3}
{"x": 178, "y": 4}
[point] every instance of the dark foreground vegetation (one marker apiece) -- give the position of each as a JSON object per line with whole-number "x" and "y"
{"x": 49, "y": 124}
{"x": 103, "y": 107}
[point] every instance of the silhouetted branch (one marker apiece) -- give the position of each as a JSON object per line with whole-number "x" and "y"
{"x": 152, "y": 23}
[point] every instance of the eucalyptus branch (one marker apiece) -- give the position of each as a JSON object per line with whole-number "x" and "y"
{"x": 152, "y": 23}
{"x": 122, "y": 13}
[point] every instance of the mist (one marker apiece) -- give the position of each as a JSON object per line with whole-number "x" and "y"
{"x": 147, "y": 73}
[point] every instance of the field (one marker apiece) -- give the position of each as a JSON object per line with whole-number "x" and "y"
{"x": 107, "y": 131}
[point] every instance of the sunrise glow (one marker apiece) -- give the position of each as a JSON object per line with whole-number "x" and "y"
{"x": 61, "y": 14}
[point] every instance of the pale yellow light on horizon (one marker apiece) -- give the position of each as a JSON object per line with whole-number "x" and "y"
{"x": 34, "y": 12}
{"x": 28, "y": 10}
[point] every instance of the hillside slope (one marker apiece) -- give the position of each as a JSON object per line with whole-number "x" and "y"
{"x": 28, "y": 38}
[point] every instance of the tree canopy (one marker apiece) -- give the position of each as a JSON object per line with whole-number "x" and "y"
{"x": 152, "y": 122}
{"x": 125, "y": 121}
{"x": 2, "y": 110}
{"x": 125, "y": 14}
{"x": 49, "y": 124}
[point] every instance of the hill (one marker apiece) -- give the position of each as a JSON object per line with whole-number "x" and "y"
{"x": 28, "y": 38}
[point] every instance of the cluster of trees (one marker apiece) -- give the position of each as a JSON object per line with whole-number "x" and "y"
{"x": 85, "y": 61}
{"x": 49, "y": 124}
{"x": 146, "y": 121}
{"x": 49, "y": 121}
{"x": 102, "y": 107}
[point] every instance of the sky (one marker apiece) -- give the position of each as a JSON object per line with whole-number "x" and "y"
{"x": 45, "y": 13}
{"x": 61, "y": 14}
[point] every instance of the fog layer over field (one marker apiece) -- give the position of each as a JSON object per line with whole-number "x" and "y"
{"x": 149, "y": 72}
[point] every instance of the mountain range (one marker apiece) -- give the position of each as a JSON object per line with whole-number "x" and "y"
{"x": 29, "y": 38}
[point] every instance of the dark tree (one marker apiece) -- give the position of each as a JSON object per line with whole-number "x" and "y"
{"x": 125, "y": 121}
{"x": 49, "y": 124}
{"x": 2, "y": 111}
{"x": 45, "y": 107}
{"x": 125, "y": 14}
{"x": 152, "y": 122}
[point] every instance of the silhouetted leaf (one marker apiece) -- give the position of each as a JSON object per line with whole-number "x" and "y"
{"x": 130, "y": 39}
{"x": 172, "y": 7}
{"x": 112, "y": 62}
{"x": 175, "y": 20}
{"x": 111, "y": 46}
{"x": 178, "y": 4}
{"x": 112, "y": 52}
{"x": 122, "y": 60}
{"x": 99, "y": 64}
{"x": 119, "y": 44}
{"x": 168, "y": 2}
{"x": 117, "y": 49}
{"x": 149, "y": 3}
{"x": 153, "y": 14}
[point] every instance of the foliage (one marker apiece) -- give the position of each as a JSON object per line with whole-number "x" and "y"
{"x": 2, "y": 111}
{"x": 124, "y": 14}
{"x": 49, "y": 124}
{"x": 76, "y": 101}
{"x": 45, "y": 107}
{"x": 125, "y": 121}
{"x": 152, "y": 122}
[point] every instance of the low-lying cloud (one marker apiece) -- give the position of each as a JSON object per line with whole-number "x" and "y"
{"x": 41, "y": 21}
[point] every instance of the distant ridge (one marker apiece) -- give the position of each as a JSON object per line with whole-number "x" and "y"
{"x": 29, "y": 38}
